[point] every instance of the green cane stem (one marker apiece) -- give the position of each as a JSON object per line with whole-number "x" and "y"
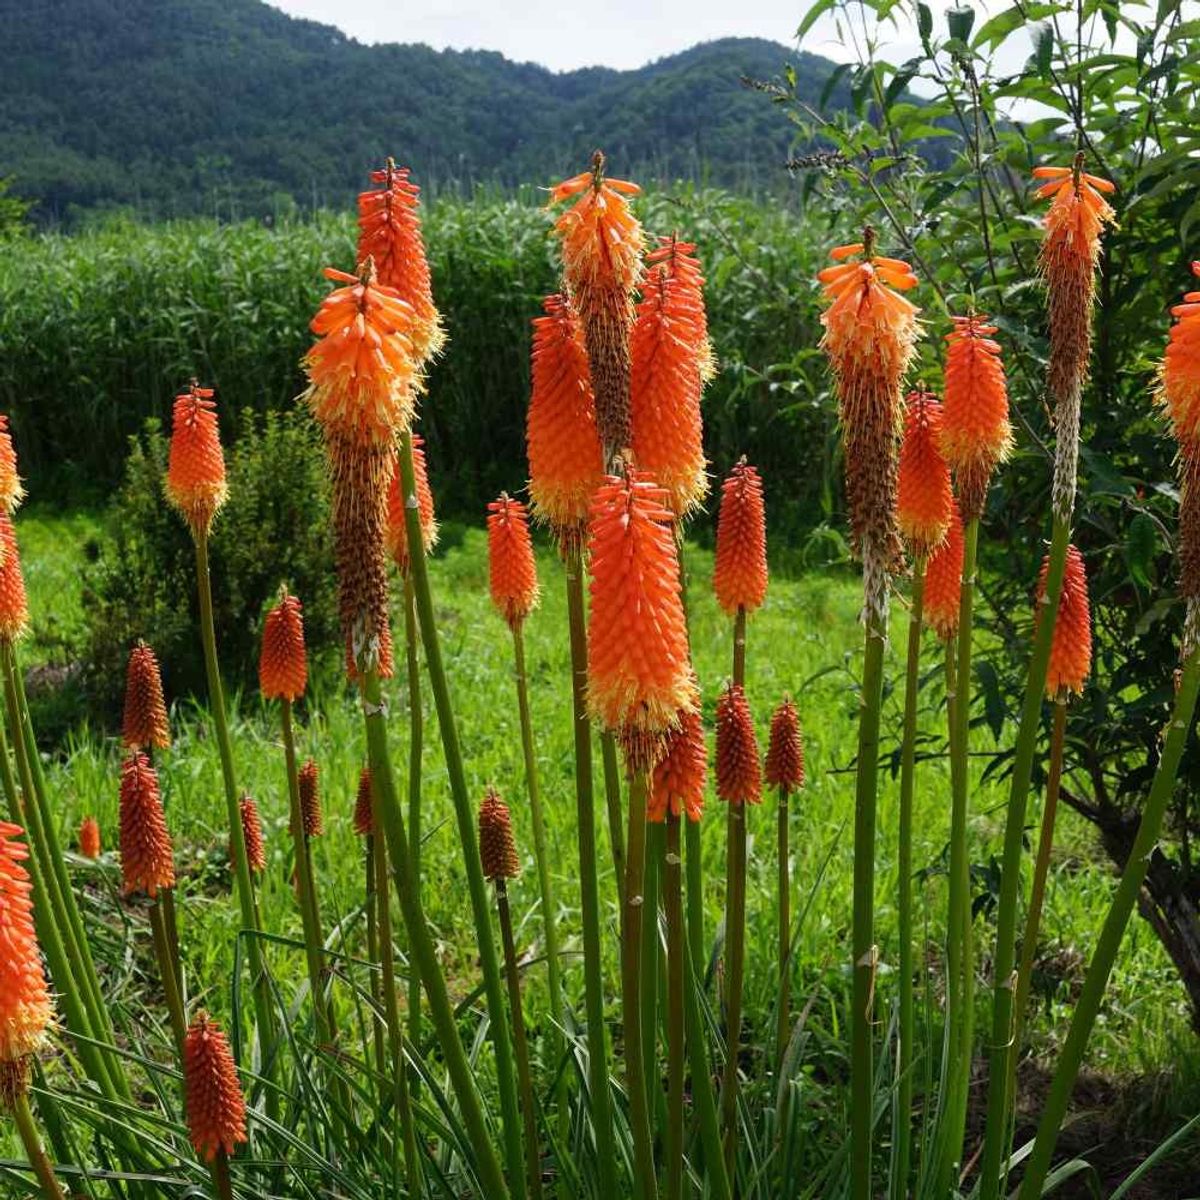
{"x": 168, "y": 971}
{"x": 784, "y": 888}
{"x": 902, "y": 1133}
{"x": 481, "y": 909}
{"x": 735, "y": 962}
{"x": 1132, "y": 877}
{"x": 676, "y": 1020}
{"x": 379, "y": 1027}
{"x": 222, "y": 1183}
{"x": 244, "y": 882}
{"x": 589, "y": 886}
{"x": 27, "y": 1128}
{"x": 416, "y": 747}
{"x": 421, "y": 947}
{"x": 512, "y": 975}
{"x": 651, "y": 960}
{"x": 645, "y": 1183}
{"x": 999, "y": 1097}
{"x": 863, "y": 937}
{"x": 612, "y": 804}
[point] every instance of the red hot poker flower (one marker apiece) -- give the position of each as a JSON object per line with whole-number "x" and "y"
{"x": 785, "y": 749}
{"x": 310, "y": 800}
{"x": 943, "y": 580}
{"x": 680, "y": 775}
{"x": 89, "y": 838}
{"x": 739, "y": 775}
{"x": 196, "y": 464}
{"x": 511, "y": 566}
{"x": 1071, "y": 646}
{"x": 923, "y": 494}
{"x": 497, "y": 849}
{"x": 25, "y": 1008}
{"x": 145, "y": 725}
{"x": 14, "y": 606}
{"x": 283, "y": 661}
{"x": 216, "y": 1108}
{"x": 146, "y": 859}
{"x": 252, "y": 832}
{"x": 740, "y": 576}
{"x": 364, "y": 811}
{"x": 11, "y": 491}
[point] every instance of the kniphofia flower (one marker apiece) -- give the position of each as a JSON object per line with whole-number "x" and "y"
{"x": 739, "y": 773}
{"x": 216, "y": 1108}
{"x": 670, "y": 357}
{"x": 397, "y": 530}
{"x": 785, "y": 749}
{"x": 680, "y": 775}
{"x": 870, "y": 335}
{"x": 639, "y": 667}
{"x": 196, "y": 463}
{"x": 943, "y": 580}
{"x": 364, "y": 810}
{"x": 89, "y": 838}
{"x": 1071, "y": 646}
{"x": 740, "y": 575}
{"x": 310, "y": 800}
{"x": 25, "y": 1008}
{"x": 923, "y": 494}
{"x": 565, "y": 461}
{"x": 497, "y": 849}
{"x": 145, "y": 725}
{"x": 282, "y": 660}
{"x": 252, "y": 832}
{"x": 511, "y": 567}
{"x": 602, "y": 264}
{"x": 389, "y": 223}
{"x": 976, "y": 435}
{"x": 14, "y": 606}
{"x": 146, "y": 860}
{"x": 11, "y": 491}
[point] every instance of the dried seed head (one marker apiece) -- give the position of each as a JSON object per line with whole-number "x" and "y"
{"x": 681, "y": 773}
{"x": 310, "y": 800}
{"x": 252, "y": 832}
{"x": 389, "y": 223}
{"x": 1071, "y": 646}
{"x": 146, "y": 859}
{"x": 364, "y": 806}
{"x": 25, "y": 1008}
{"x": 497, "y": 849}
{"x": 739, "y": 774}
{"x": 923, "y": 494}
{"x": 639, "y": 665}
{"x": 145, "y": 725}
{"x": 89, "y": 838}
{"x": 943, "y": 580}
{"x": 511, "y": 566}
{"x": 785, "y": 749}
{"x": 397, "y": 529}
{"x": 740, "y": 576}
{"x": 216, "y": 1108}
{"x": 196, "y": 464}
{"x": 11, "y": 491}
{"x": 282, "y": 660}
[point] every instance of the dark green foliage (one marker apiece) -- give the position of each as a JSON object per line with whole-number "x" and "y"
{"x": 273, "y": 530}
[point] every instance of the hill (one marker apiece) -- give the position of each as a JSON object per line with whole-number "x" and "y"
{"x": 233, "y": 107}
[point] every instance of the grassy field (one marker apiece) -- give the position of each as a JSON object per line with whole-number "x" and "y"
{"x": 803, "y": 641}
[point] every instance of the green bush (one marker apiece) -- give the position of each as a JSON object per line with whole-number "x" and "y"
{"x": 273, "y": 529}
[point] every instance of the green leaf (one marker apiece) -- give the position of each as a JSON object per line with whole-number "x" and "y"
{"x": 900, "y": 81}
{"x": 993, "y": 702}
{"x": 924, "y": 25}
{"x": 1141, "y": 544}
{"x": 835, "y": 77}
{"x": 1043, "y": 50}
{"x": 960, "y": 22}
{"x": 810, "y": 18}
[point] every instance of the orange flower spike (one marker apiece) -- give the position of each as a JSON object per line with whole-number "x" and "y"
{"x": 196, "y": 463}
{"x": 943, "y": 580}
{"x": 363, "y": 369}
{"x": 740, "y": 576}
{"x": 145, "y": 724}
{"x": 364, "y": 808}
{"x": 283, "y": 660}
{"x": 397, "y": 530}
{"x": 1071, "y": 646}
{"x": 11, "y": 490}
{"x": 1179, "y": 377}
{"x": 14, "y": 605}
{"x": 511, "y": 566}
{"x": 252, "y": 831}
{"x": 389, "y": 222}
{"x": 216, "y": 1108}
{"x": 677, "y": 260}
{"x": 146, "y": 858}
{"x": 785, "y": 749}
{"x": 923, "y": 494}
{"x": 89, "y": 838}
{"x": 310, "y": 800}
{"x": 680, "y": 776}
{"x": 25, "y": 1008}
{"x": 639, "y": 667}
{"x": 739, "y": 775}
{"x": 565, "y": 461}
{"x": 497, "y": 849}
{"x": 976, "y": 435}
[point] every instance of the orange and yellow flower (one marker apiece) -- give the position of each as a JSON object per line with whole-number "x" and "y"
{"x": 146, "y": 858}
{"x": 739, "y": 774}
{"x": 497, "y": 848}
{"x": 282, "y": 659}
{"x": 252, "y": 833}
{"x": 1071, "y": 646}
{"x": 511, "y": 567}
{"x": 11, "y": 491}
{"x": 785, "y": 749}
{"x": 924, "y": 497}
{"x": 740, "y": 574}
{"x": 14, "y": 605}
{"x": 1179, "y": 377}
{"x": 216, "y": 1108}
{"x": 145, "y": 724}
{"x": 397, "y": 530}
{"x": 196, "y": 463}
{"x": 679, "y": 778}
{"x": 25, "y": 1008}
{"x": 943, "y": 580}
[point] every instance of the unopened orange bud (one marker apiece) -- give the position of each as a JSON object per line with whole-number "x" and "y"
{"x": 25, "y": 1008}
{"x": 364, "y": 807}
{"x": 216, "y": 1108}
{"x": 89, "y": 838}
{"x": 1071, "y": 646}
{"x": 252, "y": 833}
{"x": 145, "y": 725}
{"x": 283, "y": 662}
{"x": 511, "y": 566}
{"x": 785, "y": 749}
{"x": 146, "y": 859}
{"x": 310, "y": 800}
{"x": 943, "y": 580}
{"x": 196, "y": 464}
{"x": 680, "y": 775}
{"x": 923, "y": 494}
{"x": 497, "y": 849}
{"x": 740, "y": 577}
{"x": 739, "y": 775}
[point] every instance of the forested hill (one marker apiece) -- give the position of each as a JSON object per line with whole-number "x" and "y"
{"x": 177, "y": 106}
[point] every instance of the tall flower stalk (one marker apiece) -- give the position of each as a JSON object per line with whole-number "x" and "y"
{"x": 1069, "y": 257}
{"x": 870, "y": 333}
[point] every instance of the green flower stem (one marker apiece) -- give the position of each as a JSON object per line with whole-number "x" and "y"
{"x": 651, "y": 959}
{"x": 397, "y": 1065}
{"x": 784, "y": 888}
{"x": 1134, "y": 874}
{"x": 222, "y": 1183}
{"x": 481, "y": 909}
{"x": 244, "y": 882}
{"x": 416, "y": 747}
{"x": 372, "y": 908}
{"x": 999, "y": 1097}
{"x": 902, "y": 1133}
{"x": 34, "y": 1149}
{"x": 612, "y": 803}
{"x": 694, "y": 877}
{"x": 960, "y": 956}
{"x": 168, "y": 971}
{"x": 422, "y": 950}
{"x": 589, "y": 887}
{"x": 512, "y": 973}
{"x": 645, "y": 1183}
{"x": 863, "y": 937}
{"x": 676, "y": 1020}
{"x": 542, "y": 859}
{"x": 735, "y": 963}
